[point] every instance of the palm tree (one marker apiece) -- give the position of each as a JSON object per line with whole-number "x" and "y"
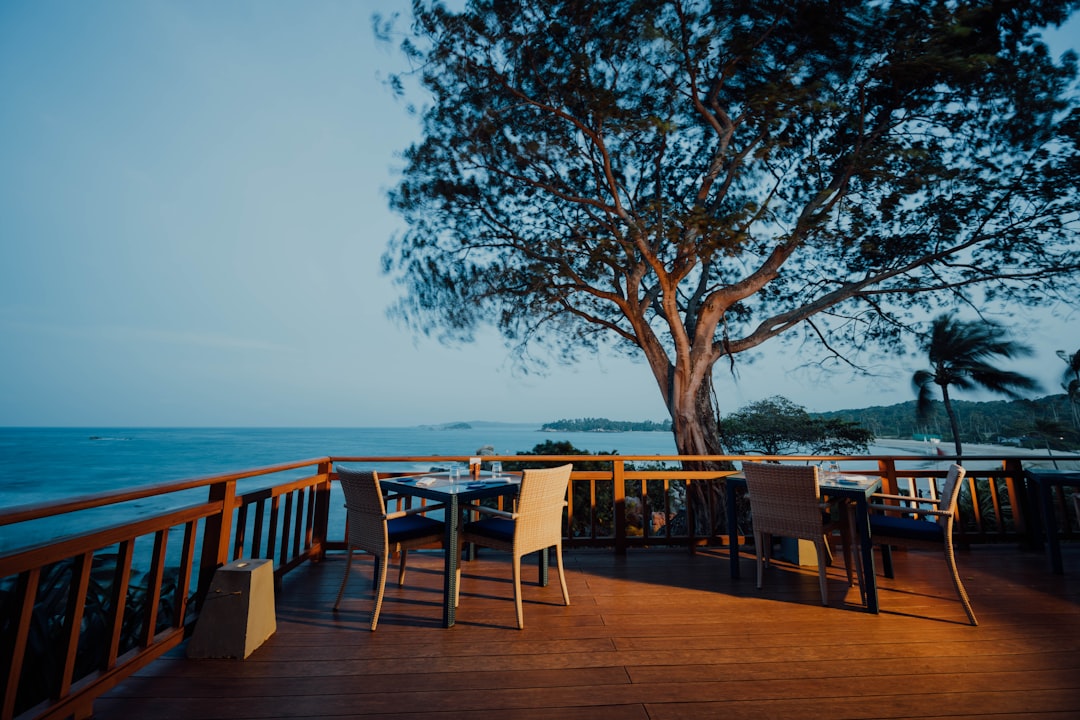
{"x": 960, "y": 354}
{"x": 1071, "y": 381}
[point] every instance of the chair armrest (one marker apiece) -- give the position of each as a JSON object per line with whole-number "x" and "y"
{"x": 908, "y": 498}
{"x": 909, "y": 510}
{"x": 485, "y": 510}
{"x": 413, "y": 511}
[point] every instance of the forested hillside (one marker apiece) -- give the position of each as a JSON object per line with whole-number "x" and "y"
{"x": 1031, "y": 422}
{"x": 605, "y": 425}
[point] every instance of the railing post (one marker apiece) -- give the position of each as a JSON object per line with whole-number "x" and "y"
{"x": 321, "y": 526}
{"x": 215, "y": 548}
{"x": 887, "y": 468}
{"x": 1023, "y": 505}
{"x": 618, "y": 468}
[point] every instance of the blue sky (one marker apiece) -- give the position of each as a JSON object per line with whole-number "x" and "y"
{"x": 192, "y": 210}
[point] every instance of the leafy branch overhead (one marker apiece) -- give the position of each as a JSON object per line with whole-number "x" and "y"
{"x": 690, "y": 179}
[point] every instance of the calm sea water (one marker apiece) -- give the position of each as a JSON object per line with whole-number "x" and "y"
{"x": 38, "y": 464}
{"x": 49, "y": 464}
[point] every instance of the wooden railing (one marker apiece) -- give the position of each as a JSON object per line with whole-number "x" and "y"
{"x": 75, "y": 621}
{"x": 82, "y": 612}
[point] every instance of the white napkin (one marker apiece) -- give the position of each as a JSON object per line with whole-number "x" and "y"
{"x": 426, "y": 482}
{"x": 844, "y": 477}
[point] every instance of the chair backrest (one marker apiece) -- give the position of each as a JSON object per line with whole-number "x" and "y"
{"x": 950, "y": 493}
{"x": 784, "y": 499}
{"x": 540, "y": 508}
{"x": 365, "y": 508}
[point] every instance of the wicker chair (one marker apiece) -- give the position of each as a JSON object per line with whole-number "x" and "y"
{"x": 380, "y": 533}
{"x": 902, "y": 530}
{"x": 535, "y": 526}
{"x": 785, "y": 500}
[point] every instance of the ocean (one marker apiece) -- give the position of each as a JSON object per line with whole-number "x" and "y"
{"x": 41, "y": 464}
{"x": 49, "y": 464}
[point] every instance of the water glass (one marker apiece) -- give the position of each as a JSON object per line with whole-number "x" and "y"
{"x": 496, "y": 468}
{"x": 455, "y": 475}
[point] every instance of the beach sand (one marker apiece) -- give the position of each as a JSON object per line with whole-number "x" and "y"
{"x": 972, "y": 451}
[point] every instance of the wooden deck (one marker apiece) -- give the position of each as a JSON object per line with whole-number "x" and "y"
{"x": 656, "y": 634}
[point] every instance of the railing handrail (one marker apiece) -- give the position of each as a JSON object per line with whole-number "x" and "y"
{"x": 52, "y": 508}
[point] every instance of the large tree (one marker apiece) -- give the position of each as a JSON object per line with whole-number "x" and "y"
{"x": 777, "y": 426}
{"x": 962, "y": 355}
{"x": 688, "y": 180}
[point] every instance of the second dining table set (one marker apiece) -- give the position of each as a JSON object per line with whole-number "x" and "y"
{"x": 850, "y": 499}
{"x": 455, "y": 493}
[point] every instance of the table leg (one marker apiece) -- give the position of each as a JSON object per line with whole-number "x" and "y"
{"x": 1046, "y": 515}
{"x": 732, "y": 530}
{"x": 450, "y": 588}
{"x": 866, "y": 546}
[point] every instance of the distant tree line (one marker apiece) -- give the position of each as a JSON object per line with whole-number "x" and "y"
{"x": 1034, "y": 423}
{"x": 605, "y": 425}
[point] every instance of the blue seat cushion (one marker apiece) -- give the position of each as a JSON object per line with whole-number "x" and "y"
{"x": 411, "y": 527}
{"x": 905, "y": 528}
{"x": 495, "y": 528}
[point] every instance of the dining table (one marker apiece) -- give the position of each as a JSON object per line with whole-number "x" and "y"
{"x": 1041, "y": 482}
{"x": 845, "y": 486}
{"x": 455, "y": 494}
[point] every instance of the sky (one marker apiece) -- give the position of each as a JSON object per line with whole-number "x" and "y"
{"x": 193, "y": 204}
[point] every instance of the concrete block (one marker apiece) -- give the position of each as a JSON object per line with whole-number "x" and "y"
{"x": 238, "y": 615}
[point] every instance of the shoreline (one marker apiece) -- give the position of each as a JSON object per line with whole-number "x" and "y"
{"x": 929, "y": 451}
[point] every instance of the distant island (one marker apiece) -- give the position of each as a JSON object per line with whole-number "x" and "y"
{"x": 448, "y": 426}
{"x": 605, "y": 425}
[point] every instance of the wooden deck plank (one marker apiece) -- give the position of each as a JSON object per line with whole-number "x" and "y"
{"x": 657, "y": 634}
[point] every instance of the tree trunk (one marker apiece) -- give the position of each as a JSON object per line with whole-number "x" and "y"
{"x": 695, "y": 424}
{"x": 954, "y": 421}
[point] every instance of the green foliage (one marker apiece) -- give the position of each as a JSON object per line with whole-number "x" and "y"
{"x": 980, "y": 422}
{"x": 584, "y": 504}
{"x": 558, "y": 447}
{"x": 648, "y": 510}
{"x": 605, "y": 425}
{"x": 777, "y": 426}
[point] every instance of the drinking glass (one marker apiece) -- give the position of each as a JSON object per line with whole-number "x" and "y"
{"x": 832, "y": 470}
{"x": 496, "y": 468}
{"x": 455, "y": 475}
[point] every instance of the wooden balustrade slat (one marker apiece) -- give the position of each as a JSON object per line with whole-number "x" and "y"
{"x": 73, "y": 616}
{"x": 257, "y": 534}
{"x": 118, "y": 600}
{"x": 15, "y": 647}
{"x": 240, "y": 531}
{"x": 153, "y": 587}
{"x": 183, "y": 582}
